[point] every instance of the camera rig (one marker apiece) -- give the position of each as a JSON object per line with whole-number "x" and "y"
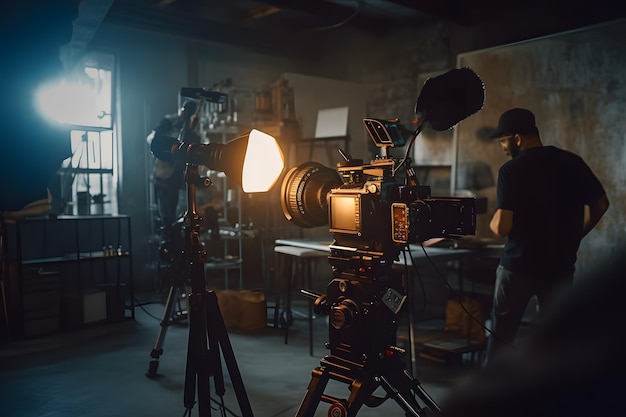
{"x": 373, "y": 214}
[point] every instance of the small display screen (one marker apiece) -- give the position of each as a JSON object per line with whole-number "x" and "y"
{"x": 345, "y": 214}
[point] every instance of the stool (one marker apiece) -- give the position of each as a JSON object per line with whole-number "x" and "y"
{"x": 297, "y": 260}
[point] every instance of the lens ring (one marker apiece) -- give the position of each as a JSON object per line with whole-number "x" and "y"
{"x": 303, "y": 193}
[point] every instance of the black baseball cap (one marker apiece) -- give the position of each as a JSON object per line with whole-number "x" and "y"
{"x": 516, "y": 121}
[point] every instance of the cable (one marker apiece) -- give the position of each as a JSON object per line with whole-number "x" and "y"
{"x": 140, "y": 305}
{"x": 458, "y": 298}
{"x": 407, "y": 150}
{"x": 419, "y": 277}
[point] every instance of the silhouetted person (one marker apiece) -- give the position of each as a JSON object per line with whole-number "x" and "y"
{"x": 168, "y": 177}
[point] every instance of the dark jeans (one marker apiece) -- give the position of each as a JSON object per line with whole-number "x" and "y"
{"x": 511, "y": 295}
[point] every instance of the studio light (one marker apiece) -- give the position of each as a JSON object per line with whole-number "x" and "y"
{"x": 254, "y": 161}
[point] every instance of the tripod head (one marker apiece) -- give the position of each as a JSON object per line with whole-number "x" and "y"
{"x": 363, "y": 303}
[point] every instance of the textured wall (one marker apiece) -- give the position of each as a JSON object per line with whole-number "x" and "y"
{"x": 575, "y": 83}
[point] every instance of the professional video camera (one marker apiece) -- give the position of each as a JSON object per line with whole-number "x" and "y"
{"x": 373, "y": 214}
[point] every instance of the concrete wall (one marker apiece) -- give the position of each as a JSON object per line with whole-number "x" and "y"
{"x": 575, "y": 83}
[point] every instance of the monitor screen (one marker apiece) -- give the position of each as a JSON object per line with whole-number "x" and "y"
{"x": 345, "y": 216}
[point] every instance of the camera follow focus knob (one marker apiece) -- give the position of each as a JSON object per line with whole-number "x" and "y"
{"x": 343, "y": 314}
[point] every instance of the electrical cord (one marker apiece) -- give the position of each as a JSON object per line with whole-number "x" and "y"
{"x": 458, "y": 298}
{"x": 447, "y": 284}
{"x": 419, "y": 279}
{"x": 141, "y": 306}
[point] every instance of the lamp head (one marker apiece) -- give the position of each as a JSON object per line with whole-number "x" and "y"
{"x": 254, "y": 161}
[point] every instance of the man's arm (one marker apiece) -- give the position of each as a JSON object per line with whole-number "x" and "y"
{"x": 502, "y": 222}
{"x": 596, "y": 211}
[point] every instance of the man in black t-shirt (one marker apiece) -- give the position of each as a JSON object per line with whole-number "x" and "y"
{"x": 540, "y": 208}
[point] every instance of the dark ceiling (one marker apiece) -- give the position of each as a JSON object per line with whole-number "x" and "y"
{"x": 282, "y": 25}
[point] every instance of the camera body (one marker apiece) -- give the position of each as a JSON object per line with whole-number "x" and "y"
{"x": 372, "y": 210}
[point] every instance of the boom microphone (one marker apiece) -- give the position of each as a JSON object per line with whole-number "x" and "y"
{"x": 210, "y": 96}
{"x": 447, "y": 99}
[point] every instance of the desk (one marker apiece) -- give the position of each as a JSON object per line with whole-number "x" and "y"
{"x": 417, "y": 253}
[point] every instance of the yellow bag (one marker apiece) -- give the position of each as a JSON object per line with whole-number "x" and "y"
{"x": 243, "y": 309}
{"x": 458, "y": 320}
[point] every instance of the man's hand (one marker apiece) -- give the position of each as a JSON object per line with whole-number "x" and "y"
{"x": 596, "y": 211}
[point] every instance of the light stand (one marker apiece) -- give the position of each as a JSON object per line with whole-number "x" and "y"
{"x": 207, "y": 331}
{"x": 255, "y": 162}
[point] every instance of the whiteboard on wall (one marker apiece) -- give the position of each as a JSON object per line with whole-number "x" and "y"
{"x": 575, "y": 83}
{"x": 332, "y": 122}
{"x": 312, "y": 94}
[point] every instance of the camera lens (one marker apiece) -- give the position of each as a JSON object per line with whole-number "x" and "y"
{"x": 304, "y": 191}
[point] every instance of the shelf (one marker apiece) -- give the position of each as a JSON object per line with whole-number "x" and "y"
{"x": 223, "y": 129}
{"x": 59, "y": 268}
{"x": 230, "y": 239}
{"x": 72, "y": 258}
{"x": 226, "y": 264}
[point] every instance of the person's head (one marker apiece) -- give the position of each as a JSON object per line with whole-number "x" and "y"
{"x": 517, "y": 131}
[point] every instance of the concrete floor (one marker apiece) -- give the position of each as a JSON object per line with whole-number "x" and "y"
{"x": 101, "y": 371}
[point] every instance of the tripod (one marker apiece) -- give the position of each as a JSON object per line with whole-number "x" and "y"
{"x": 207, "y": 331}
{"x": 388, "y": 373}
{"x": 362, "y": 332}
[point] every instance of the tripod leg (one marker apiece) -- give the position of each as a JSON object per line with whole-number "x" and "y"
{"x": 359, "y": 393}
{"x": 197, "y": 369}
{"x": 157, "y": 351}
{"x": 427, "y": 399}
{"x": 314, "y": 392}
{"x": 401, "y": 388}
{"x": 404, "y": 399}
{"x": 215, "y": 361}
{"x": 216, "y": 324}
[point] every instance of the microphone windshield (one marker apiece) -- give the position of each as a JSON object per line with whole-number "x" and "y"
{"x": 447, "y": 99}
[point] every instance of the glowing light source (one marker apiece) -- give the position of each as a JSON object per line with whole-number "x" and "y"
{"x": 253, "y": 161}
{"x": 263, "y": 162}
{"x": 85, "y": 102}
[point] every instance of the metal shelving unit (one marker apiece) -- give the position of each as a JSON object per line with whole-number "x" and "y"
{"x": 230, "y": 221}
{"x": 64, "y": 273}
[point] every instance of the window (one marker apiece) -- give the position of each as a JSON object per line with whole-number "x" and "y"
{"x": 87, "y": 180}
